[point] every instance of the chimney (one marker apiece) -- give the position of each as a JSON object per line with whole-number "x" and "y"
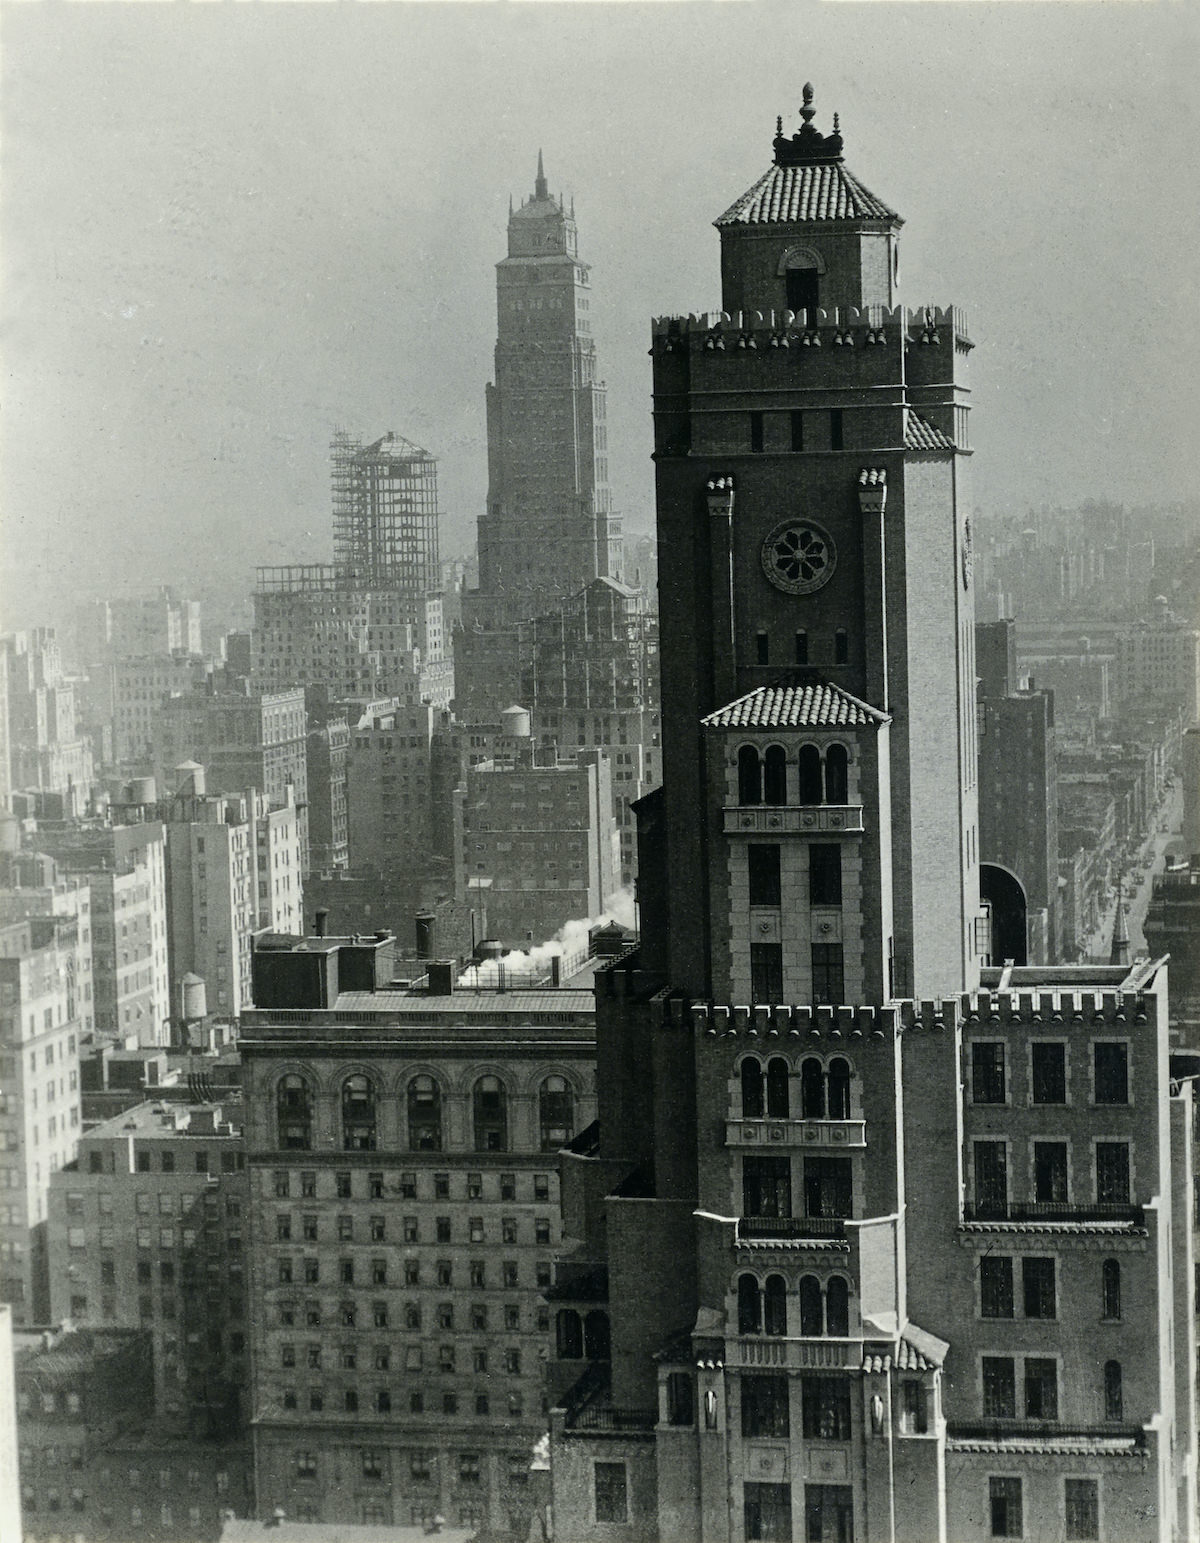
{"x": 320, "y": 922}
{"x": 556, "y": 969}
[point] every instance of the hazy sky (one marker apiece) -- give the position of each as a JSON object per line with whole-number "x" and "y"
{"x": 229, "y": 229}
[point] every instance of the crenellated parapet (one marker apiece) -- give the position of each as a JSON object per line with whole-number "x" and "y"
{"x": 842, "y": 327}
{"x": 719, "y": 1020}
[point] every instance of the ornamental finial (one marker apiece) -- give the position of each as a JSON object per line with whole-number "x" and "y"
{"x": 808, "y": 112}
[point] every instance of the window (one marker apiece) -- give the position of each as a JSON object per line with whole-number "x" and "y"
{"x": 995, "y": 1286}
{"x": 987, "y": 1073}
{"x": 797, "y": 424}
{"x": 1004, "y": 1501}
{"x": 308, "y": 1186}
{"x": 999, "y": 1388}
{"x": 1082, "y": 1506}
{"x": 837, "y": 1307}
{"x": 838, "y": 1081}
{"x": 424, "y": 1117}
{"x": 827, "y": 1187}
{"x": 308, "y": 1228}
{"x": 913, "y": 1414}
{"x": 408, "y": 1181}
{"x": 825, "y": 874}
{"x": 777, "y": 1088}
{"x": 1111, "y": 1067}
{"x": 293, "y": 1113}
{"x": 441, "y": 1186}
{"x": 775, "y": 775}
{"x": 380, "y": 1314}
{"x": 752, "y": 1089}
{"x": 809, "y": 766}
{"x": 825, "y": 1402}
{"x": 468, "y": 1468}
{"x": 749, "y": 776}
{"x": 812, "y": 1307}
{"x": 372, "y": 1465}
{"x": 1049, "y": 1066}
{"x": 342, "y": 1186}
{"x": 441, "y": 1228}
{"x": 345, "y": 1229}
{"x": 801, "y": 647}
{"x": 1041, "y": 1389}
{"x": 768, "y": 1513}
{"x": 491, "y": 1115}
{"x": 765, "y": 1406}
{"x": 766, "y": 1186}
{"x": 508, "y": 1186}
{"x": 541, "y": 1230}
{"x": 1037, "y": 1281}
{"x": 1110, "y": 1289}
{"x": 379, "y": 1272}
{"x": 762, "y": 648}
{"x": 762, "y": 864}
{"x": 680, "y": 1399}
{"x": 306, "y": 1465}
{"x": 1112, "y": 1172}
{"x": 358, "y": 1114}
{"x": 541, "y": 1187}
{"x": 378, "y": 1227}
{"x": 749, "y": 1305}
{"x": 556, "y": 1113}
{"x": 766, "y": 972}
{"x": 836, "y": 432}
{"x": 1114, "y": 1401}
{"x": 1050, "y": 1172}
{"x": 841, "y": 655}
{"x": 827, "y": 983}
{"x": 756, "y": 444}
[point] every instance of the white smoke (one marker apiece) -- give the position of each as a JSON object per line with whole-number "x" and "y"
{"x": 521, "y": 965}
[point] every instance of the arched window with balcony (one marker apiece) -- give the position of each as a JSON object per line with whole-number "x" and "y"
{"x": 1114, "y": 1397}
{"x": 837, "y": 1307}
{"x": 839, "y": 1089}
{"x": 556, "y": 1113}
{"x": 294, "y": 1112}
{"x": 568, "y": 1333}
{"x": 775, "y": 1306}
{"x": 812, "y": 1317}
{"x": 424, "y": 1115}
{"x": 812, "y": 1089}
{"x": 775, "y": 775}
{"x": 777, "y": 1088}
{"x": 809, "y": 764}
{"x": 491, "y": 1115}
{"x": 597, "y": 1341}
{"x": 752, "y": 1089}
{"x": 358, "y": 1114}
{"x": 837, "y": 775}
{"x": 750, "y": 783}
{"x": 1110, "y": 1289}
{"x": 749, "y": 1305}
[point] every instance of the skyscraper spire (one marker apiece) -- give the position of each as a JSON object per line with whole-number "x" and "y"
{"x": 540, "y": 189}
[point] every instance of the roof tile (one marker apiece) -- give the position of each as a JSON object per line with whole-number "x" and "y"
{"x": 814, "y": 704}
{"x": 919, "y": 434}
{"x": 793, "y": 195}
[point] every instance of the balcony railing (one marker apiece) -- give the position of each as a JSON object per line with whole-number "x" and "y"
{"x": 753, "y": 1229}
{"x": 765, "y": 1350}
{"x": 796, "y": 1133}
{"x": 1043, "y": 1430}
{"x": 604, "y": 1417}
{"x": 810, "y": 819}
{"x": 1053, "y": 1211}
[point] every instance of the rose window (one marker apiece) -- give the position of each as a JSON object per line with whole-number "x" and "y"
{"x": 799, "y": 556}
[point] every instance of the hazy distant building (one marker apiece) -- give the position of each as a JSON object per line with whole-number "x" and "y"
{"x": 39, "y": 1098}
{"x": 328, "y": 811}
{"x": 1160, "y": 659}
{"x": 46, "y": 752}
{"x": 139, "y": 685}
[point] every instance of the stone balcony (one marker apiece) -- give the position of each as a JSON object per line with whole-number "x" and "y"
{"x": 825, "y": 1135}
{"x": 766, "y": 1352}
{"x": 791, "y": 819}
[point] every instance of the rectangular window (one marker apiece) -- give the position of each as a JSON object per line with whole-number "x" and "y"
{"x": 756, "y": 431}
{"x": 1004, "y": 1501}
{"x": 1082, "y": 1497}
{"x": 825, "y": 874}
{"x": 766, "y": 972}
{"x": 828, "y": 1190}
{"x": 836, "y": 429}
{"x": 342, "y": 1186}
{"x": 913, "y": 1418}
{"x": 999, "y": 1387}
{"x": 766, "y": 1186}
{"x": 1037, "y": 1281}
{"x": 1111, "y": 1065}
{"x": 1050, "y": 1172}
{"x": 612, "y": 1501}
{"x": 996, "y": 1286}
{"x": 1049, "y": 1064}
{"x": 762, "y": 648}
{"x": 680, "y": 1399}
{"x": 1041, "y": 1389}
{"x": 828, "y": 986}
{"x": 825, "y": 1402}
{"x": 987, "y": 1072}
{"x": 802, "y": 648}
{"x": 765, "y": 1406}
{"x": 308, "y": 1186}
{"x": 768, "y": 1514}
{"x": 797, "y": 418}
{"x": 1112, "y": 1172}
{"x": 763, "y": 867}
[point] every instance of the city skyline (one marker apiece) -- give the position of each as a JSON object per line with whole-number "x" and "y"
{"x": 211, "y": 261}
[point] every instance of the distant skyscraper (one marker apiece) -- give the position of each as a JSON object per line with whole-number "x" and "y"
{"x": 385, "y": 513}
{"x": 549, "y": 526}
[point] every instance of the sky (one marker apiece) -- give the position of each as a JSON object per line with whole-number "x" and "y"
{"x": 226, "y": 230}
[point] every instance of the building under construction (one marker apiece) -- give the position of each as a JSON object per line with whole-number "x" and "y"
{"x": 385, "y": 513}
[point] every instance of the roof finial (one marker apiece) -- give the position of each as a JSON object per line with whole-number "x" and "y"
{"x": 808, "y": 112}
{"x": 540, "y": 188}
{"x": 779, "y": 124}
{"x": 1119, "y": 952}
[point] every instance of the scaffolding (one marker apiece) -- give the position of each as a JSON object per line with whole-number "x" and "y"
{"x": 385, "y": 513}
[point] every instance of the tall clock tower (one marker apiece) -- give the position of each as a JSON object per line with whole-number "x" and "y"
{"x": 816, "y": 611}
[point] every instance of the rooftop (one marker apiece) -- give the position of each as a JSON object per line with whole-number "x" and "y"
{"x": 812, "y": 704}
{"x": 157, "y": 1118}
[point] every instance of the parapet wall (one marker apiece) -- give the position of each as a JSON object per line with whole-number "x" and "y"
{"x": 876, "y": 324}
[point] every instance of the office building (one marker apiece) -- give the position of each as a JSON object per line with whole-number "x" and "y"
{"x": 46, "y": 752}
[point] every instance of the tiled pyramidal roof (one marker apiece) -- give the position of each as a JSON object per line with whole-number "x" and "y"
{"x": 919, "y": 434}
{"x": 810, "y": 704}
{"x": 791, "y": 195}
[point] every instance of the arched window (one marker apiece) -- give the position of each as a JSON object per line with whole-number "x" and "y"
{"x": 749, "y": 776}
{"x": 810, "y": 774}
{"x": 556, "y": 1113}
{"x": 839, "y": 1089}
{"x": 837, "y": 776}
{"x": 294, "y": 1113}
{"x": 1114, "y": 1400}
{"x": 569, "y": 1334}
{"x": 358, "y": 1114}
{"x": 777, "y": 1088}
{"x": 775, "y": 1306}
{"x": 775, "y": 775}
{"x": 752, "y": 1089}
{"x": 837, "y": 1307}
{"x": 596, "y": 1339}
{"x": 1110, "y": 1289}
{"x": 424, "y": 1115}
{"x": 491, "y": 1115}
{"x": 812, "y": 1090}
{"x": 749, "y": 1305}
{"x": 812, "y": 1318}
